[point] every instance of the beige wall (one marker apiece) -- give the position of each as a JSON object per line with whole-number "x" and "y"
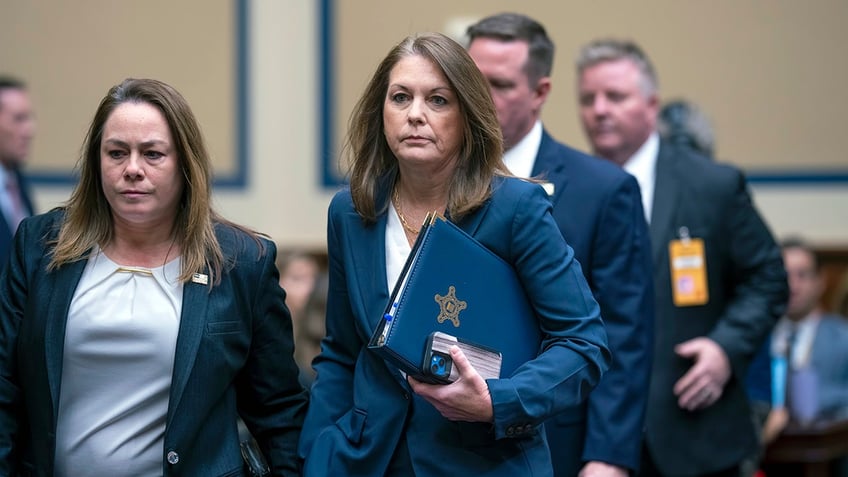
{"x": 770, "y": 74}
{"x": 71, "y": 53}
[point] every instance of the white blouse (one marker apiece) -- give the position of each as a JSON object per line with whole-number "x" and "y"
{"x": 118, "y": 360}
{"x": 397, "y": 248}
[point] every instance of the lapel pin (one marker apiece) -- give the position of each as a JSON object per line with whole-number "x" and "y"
{"x": 200, "y": 278}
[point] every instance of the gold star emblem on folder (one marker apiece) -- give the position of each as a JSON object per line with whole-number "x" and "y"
{"x": 450, "y": 306}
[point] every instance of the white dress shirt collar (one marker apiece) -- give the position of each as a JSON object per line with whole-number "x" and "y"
{"x": 520, "y": 158}
{"x": 397, "y": 248}
{"x": 643, "y": 166}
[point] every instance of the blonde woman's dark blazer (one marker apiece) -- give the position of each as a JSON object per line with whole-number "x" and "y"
{"x": 233, "y": 357}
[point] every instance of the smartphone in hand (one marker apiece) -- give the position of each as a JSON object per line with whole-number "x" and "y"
{"x": 438, "y": 365}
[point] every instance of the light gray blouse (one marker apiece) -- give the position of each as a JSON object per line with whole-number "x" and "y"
{"x": 118, "y": 360}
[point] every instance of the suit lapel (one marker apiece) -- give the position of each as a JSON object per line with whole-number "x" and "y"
{"x": 192, "y": 323}
{"x": 470, "y": 223}
{"x": 368, "y": 254}
{"x": 65, "y": 283}
{"x": 666, "y": 192}
{"x": 549, "y": 167}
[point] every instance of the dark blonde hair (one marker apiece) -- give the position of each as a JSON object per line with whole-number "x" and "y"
{"x": 88, "y": 220}
{"x": 371, "y": 161}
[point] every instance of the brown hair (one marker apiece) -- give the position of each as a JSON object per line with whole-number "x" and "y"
{"x": 11, "y": 83}
{"x": 372, "y": 162}
{"x": 509, "y": 27}
{"x": 88, "y": 221}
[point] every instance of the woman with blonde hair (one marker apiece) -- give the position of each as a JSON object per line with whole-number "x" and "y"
{"x": 136, "y": 324}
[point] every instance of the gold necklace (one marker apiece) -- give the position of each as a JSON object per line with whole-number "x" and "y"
{"x": 403, "y": 222}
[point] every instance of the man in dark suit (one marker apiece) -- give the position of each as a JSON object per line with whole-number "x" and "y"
{"x": 719, "y": 280}
{"x": 599, "y": 211}
{"x": 17, "y": 125}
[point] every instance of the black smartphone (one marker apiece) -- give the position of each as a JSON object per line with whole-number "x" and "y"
{"x": 438, "y": 365}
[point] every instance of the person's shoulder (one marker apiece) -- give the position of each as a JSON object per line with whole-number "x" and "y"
{"x": 342, "y": 199}
{"x": 588, "y": 161}
{"x": 511, "y": 188}
{"x": 715, "y": 184}
{"x": 52, "y": 216}
{"x": 47, "y": 223}
{"x": 598, "y": 173}
{"x": 837, "y": 323}
{"x": 702, "y": 168}
{"x": 586, "y": 168}
{"x": 832, "y": 331}
{"x": 341, "y": 205}
{"x": 239, "y": 242}
{"x": 512, "y": 196}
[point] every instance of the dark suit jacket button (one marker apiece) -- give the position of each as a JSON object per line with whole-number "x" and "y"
{"x": 173, "y": 458}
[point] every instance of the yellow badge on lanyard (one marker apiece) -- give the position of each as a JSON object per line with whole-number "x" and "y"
{"x": 688, "y": 270}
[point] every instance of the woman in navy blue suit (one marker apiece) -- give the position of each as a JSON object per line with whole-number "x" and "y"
{"x": 423, "y": 137}
{"x": 136, "y": 324}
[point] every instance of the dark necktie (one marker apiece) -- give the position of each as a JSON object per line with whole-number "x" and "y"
{"x": 791, "y": 340}
{"x": 18, "y": 211}
{"x": 801, "y": 384}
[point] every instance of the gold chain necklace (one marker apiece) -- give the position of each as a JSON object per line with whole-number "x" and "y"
{"x": 403, "y": 222}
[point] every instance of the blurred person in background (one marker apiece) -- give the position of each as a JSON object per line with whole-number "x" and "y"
{"x": 809, "y": 356}
{"x": 17, "y": 127}
{"x": 719, "y": 280}
{"x": 311, "y": 329}
{"x": 299, "y": 271}
{"x": 683, "y": 123}
{"x": 812, "y": 341}
{"x": 300, "y": 277}
{"x": 598, "y": 209}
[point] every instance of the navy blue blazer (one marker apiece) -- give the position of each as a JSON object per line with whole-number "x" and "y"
{"x": 233, "y": 357}
{"x": 747, "y": 294}
{"x": 598, "y": 208}
{"x": 361, "y": 407}
{"x": 6, "y": 234}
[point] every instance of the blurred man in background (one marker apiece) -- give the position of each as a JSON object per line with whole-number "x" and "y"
{"x": 719, "y": 281}
{"x": 599, "y": 212}
{"x": 17, "y": 126}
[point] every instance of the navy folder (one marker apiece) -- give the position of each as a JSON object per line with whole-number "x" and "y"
{"x": 453, "y": 284}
